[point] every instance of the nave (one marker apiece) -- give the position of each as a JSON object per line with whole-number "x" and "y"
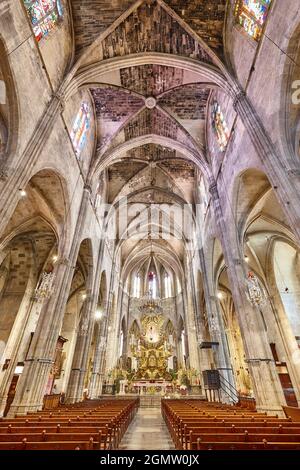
{"x": 138, "y": 424}
{"x": 148, "y": 431}
{"x": 149, "y": 222}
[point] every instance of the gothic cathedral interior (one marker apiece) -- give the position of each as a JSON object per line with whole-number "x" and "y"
{"x": 149, "y": 223}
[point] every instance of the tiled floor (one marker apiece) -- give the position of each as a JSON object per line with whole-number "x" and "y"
{"x": 147, "y": 432}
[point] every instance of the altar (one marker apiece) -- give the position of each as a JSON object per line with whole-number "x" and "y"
{"x": 153, "y": 387}
{"x": 149, "y": 367}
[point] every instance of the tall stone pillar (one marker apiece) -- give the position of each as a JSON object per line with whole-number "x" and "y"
{"x": 191, "y": 331}
{"x": 285, "y": 180}
{"x": 81, "y": 353}
{"x": 95, "y": 386}
{"x": 113, "y": 327}
{"x": 17, "y": 339}
{"x": 267, "y": 388}
{"x": 33, "y": 381}
{"x": 215, "y": 324}
{"x": 285, "y": 332}
{"x": 100, "y": 364}
{"x": 18, "y": 178}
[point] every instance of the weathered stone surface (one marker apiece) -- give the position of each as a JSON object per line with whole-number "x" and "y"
{"x": 151, "y": 80}
{"x": 151, "y": 29}
{"x": 205, "y": 17}
{"x": 92, "y": 17}
{"x": 187, "y": 102}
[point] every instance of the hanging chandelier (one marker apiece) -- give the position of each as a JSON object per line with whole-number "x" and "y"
{"x": 45, "y": 287}
{"x": 149, "y": 305}
{"x": 254, "y": 292}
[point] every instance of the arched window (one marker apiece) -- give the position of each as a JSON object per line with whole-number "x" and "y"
{"x": 219, "y": 126}
{"x": 81, "y": 127}
{"x": 121, "y": 344}
{"x": 168, "y": 290}
{"x": 183, "y": 343}
{"x": 251, "y": 15}
{"x": 44, "y": 16}
{"x": 152, "y": 282}
{"x": 137, "y": 286}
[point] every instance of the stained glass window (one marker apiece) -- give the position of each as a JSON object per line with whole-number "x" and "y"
{"x": 219, "y": 126}
{"x": 251, "y": 15}
{"x": 44, "y": 16}
{"x": 81, "y": 127}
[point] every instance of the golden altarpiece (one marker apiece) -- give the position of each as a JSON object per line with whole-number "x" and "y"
{"x": 153, "y": 363}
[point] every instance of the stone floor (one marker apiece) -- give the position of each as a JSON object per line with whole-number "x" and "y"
{"x": 147, "y": 432}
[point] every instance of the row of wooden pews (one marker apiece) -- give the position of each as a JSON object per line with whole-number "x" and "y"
{"x": 89, "y": 425}
{"x": 214, "y": 426}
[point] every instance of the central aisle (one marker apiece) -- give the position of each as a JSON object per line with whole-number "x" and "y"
{"x": 147, "y": 432}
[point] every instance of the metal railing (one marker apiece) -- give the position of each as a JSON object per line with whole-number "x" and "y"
{"x": 229, "y": 389}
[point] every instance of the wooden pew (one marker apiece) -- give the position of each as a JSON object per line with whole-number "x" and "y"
{"x": 206, "y": 426}
{"x": 292, "y": 413}
{"x": 248, "y": 446}
{"x": 194, "y": 438}
{"x": 47, "y": 445}
{"x": 84, "y": 426}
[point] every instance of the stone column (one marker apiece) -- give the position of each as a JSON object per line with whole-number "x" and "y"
{"x": 94, "y": 388}
{"x": 81, "y": 353}
{"x": 17, "y": 338}
{"x": 33, "y": 381}
{"x": 190, "y": 330}
{"x": 215, "y": 323}
{"x": 205, "y": 358}
{"x": 285, "y": 332}
{"x": 113, "y": 334}
{"x": 267, "y": 388}
{"x": 18, "y": 178}
{"x": 100, "y": 365}
{"x": 286, "y": 181}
